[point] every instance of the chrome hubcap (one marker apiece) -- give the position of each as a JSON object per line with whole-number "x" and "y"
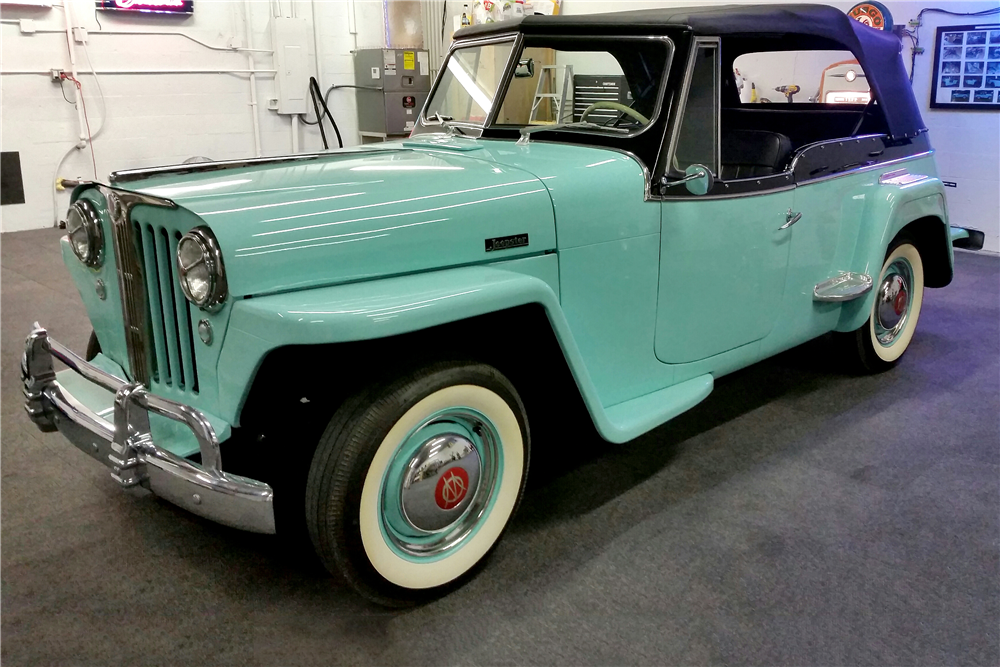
{"x": 892, "y": 302}
{"x": 440, "y": 483}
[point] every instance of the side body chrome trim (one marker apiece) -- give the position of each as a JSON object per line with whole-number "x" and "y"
{"x": 127, "y": 447}
{"x": 901, "y": 177}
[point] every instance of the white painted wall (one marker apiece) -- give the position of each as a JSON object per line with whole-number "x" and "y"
{"x": 967, "y": 142}
{"x": 152, "y": 119}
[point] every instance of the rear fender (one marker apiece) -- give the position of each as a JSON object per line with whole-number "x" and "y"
{"x": 920, "y": 204}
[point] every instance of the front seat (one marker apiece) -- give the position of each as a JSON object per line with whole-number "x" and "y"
{"x": 753, "y": 153}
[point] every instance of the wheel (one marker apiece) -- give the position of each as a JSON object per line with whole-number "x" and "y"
{"x": 414, "y": 480}
{"x": 899, "y": 293}
{"x": 93, "y": 346}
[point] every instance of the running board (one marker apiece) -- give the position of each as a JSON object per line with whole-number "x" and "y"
{"x": 630, "y": 419}
{"x": 845, "y": 287}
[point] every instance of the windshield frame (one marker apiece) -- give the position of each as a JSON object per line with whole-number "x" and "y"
{"x": 593, "y": 39}
{"x": 516, "y": 39}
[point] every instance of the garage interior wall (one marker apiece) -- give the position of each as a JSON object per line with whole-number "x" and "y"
{"x": 147, "y": 119}
{"x": 967, "y": 142}
{"x": 166, "y": 98}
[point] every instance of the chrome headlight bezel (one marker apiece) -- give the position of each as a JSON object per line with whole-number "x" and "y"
{"x": 90, "y": 225}
{"x": 211, "y": 257}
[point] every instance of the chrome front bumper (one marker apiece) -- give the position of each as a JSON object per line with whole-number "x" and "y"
{"x": 127, "y": 446}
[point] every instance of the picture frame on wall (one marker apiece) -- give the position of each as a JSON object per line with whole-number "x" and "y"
{"x": 966, "y": 68}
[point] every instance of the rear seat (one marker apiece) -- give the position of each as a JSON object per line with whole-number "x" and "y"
{"x": 752, "y": 153}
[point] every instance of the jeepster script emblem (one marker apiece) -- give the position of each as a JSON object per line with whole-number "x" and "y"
{"x": 506, "y": 242}
{"x": 451, "y": 488}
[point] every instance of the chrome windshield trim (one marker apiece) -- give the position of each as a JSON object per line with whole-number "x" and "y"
{"x": 513, "y": 37}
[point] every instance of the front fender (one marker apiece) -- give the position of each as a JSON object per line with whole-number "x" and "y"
{"x": 382, "y": 308}
{"x": 898, "y": 206}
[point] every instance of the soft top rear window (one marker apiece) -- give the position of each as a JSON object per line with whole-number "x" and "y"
{"x": 797, "y": 77}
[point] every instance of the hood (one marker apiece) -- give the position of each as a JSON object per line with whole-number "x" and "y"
{"x": 356, "y": 215}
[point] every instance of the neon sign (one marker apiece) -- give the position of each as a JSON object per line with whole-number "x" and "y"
{"x": 150, "y": 6}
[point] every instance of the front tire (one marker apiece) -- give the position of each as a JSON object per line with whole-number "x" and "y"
{"x": 415, "y": 480}
{"x": 879, "y": 344}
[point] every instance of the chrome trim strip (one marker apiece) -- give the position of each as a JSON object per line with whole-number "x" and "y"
{"x": 127, "y": 446}
{"x": 827, "y": 142}
{"x": 128, "y": 175}
{"x": 869, "y": 167}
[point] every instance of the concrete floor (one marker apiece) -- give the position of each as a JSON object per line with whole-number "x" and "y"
{"x": 797, "y": 516}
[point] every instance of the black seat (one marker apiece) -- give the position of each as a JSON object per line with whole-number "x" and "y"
{"x": 752, "y": 153}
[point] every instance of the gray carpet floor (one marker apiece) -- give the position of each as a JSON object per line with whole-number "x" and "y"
{"x": 799, "y": 516}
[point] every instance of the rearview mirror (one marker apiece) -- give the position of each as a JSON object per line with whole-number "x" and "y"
{"x": 698, "y": 179}
{"x": 525, "y": 69}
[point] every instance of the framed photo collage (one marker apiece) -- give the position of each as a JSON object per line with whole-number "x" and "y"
{"x": 967, "y": 68}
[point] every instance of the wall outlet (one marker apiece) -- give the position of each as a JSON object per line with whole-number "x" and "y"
{"x": 56, "y": 75}
{"x": 913, "y": 23}
{"x": 80, "y": 35}
{"x": 27, "y": 26}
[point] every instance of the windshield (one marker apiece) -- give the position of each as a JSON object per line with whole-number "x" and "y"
{"x": 468, "y": 84}
{"x": 602, "y": 85}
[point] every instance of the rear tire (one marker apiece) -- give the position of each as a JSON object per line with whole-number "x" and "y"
{"x": 879, "y": 344}
{"x": 414, "y": 481}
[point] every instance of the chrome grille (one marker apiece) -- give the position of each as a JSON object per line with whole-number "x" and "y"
{"x": 170, "y": 317}
{"x": 133, "y": 295}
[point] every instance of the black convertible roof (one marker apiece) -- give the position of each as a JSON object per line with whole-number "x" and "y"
{"x": 879, "y": 53}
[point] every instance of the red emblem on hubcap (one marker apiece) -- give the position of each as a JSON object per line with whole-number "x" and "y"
{"x": 451, "y": 488}
{"x": 899, "y": 304}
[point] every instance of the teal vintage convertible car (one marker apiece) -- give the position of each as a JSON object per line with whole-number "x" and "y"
{"x": 368, "y": 333}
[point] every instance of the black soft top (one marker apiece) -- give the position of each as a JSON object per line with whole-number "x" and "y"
{"x": 879, "y": 53}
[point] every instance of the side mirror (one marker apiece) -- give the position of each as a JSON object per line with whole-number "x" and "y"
{"x": 525, "y": 69}
{"x": 698, "y": 179}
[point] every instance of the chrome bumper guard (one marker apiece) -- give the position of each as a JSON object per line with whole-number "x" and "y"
{"x": 127, "y": 446}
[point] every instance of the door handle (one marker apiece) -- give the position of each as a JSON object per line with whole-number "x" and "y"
{"x": 790, "y": 219}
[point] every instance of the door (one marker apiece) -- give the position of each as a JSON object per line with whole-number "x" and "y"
{"x": 722, "y": 258}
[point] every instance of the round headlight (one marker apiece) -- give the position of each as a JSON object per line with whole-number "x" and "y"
{"x": 199, "y": 268}
{"x": 83, "y": 226}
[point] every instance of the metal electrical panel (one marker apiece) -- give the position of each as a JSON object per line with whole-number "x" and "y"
{"x": 290, "y": 37}
{"x": 395, "y": 86}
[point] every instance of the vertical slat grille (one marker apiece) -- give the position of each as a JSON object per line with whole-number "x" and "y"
{"x": 158, "y": 324}
{"x": 170, "y": 317}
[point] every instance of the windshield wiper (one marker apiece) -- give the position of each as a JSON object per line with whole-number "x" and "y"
{"x": 527, "y": 131}
{"x": 444, "y": 120}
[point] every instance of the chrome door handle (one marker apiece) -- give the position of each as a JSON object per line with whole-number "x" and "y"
{"x": 790, "y": 219}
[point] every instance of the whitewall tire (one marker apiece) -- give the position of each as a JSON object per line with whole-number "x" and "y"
{"x": 892, "y": 321}
{"x": 414, "y": 481}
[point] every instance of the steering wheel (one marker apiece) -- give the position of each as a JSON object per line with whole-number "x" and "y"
{"x": 625, "y": 109}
